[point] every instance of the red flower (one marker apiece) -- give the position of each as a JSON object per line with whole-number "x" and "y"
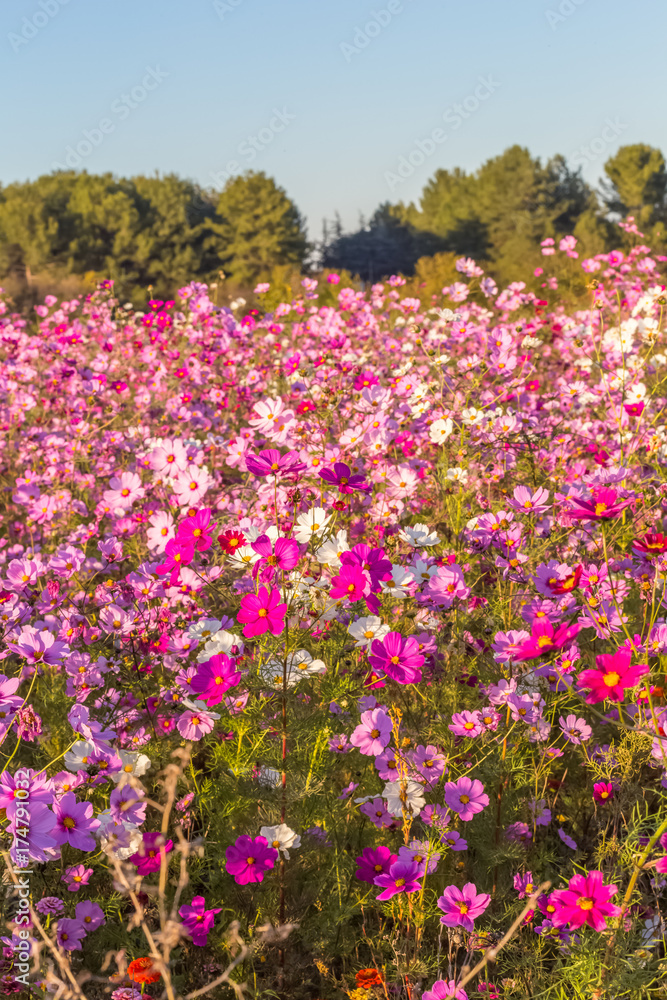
{"x": 142, "y": 970}
{"x": 368, "y": 977}
{"x": 231, "y": 541}
{"x": 568, "y": 583}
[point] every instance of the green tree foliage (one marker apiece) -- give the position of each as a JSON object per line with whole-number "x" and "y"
{"x": 158, "y": 231}
{"x": 637, "y": 183}
{"x": 259, "y": 227}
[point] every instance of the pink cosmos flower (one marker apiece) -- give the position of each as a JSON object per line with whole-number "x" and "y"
{"x": 197, "y": 920}
{"x": 176, "y": 554}
{"x": 530, "y": 503}
{"x": 374, "y": 861}
{"x": 466, "y": 724}
{"x": 214, "y": 678}
{"x": 466, "y": 797}
{"x": 613, "y": 676}
{"x": 126, "y": 805}
{"x": 194, "y": 724}
{"x": 403, "y": 876}
{"x": 125, "y": 489}
{"x": 284, "y": 555}
{"x": 585, "y": 901}
{"x": 429, "y": 762}
{"x": 577, "y": 730}
{"x": 39, "y": 646}
{"x": 461, "y": 907}
{"x": 76, "y": 876}
{"x": 443, "y": 989}
{"x": 373, "y": 733}
{"x": 377, "y": 813}
{"x": 37, "y": 836}
{"x": 446, "y": 586}
{"x": 604, "y": 504}
{"x": 544, "y": 639}
{"x": 262, "y": 613}
{"x": 249, "y": 860}
{"x": 399, "y": 658}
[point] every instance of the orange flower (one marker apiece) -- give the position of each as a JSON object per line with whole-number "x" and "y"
{"x": 142, "y": 970}
{"x": 369, "y": 977}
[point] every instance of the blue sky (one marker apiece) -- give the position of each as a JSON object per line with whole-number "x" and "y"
{"x": 330, "y": 99}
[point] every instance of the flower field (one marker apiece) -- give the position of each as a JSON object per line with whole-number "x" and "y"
{"x": 334, "y": 641}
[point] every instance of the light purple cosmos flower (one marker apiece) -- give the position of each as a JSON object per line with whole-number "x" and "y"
{"x": 429, "y": 762}
{"x": 373, "y": 733}
{"x": 461, "y": 907}
{"x": 454, "y": 840}
{"x": 466, "y": 724}
{"x": 567, "y": 840}
{"x": 127, "y": 805}
{"x": 418, "y": 851}
{"x": 376, "y": 810}
{"x": 90, "y": 915}
{"x": 466, "y": 797}
{"x": 70, "y": 934}
{"x": 75, "y": 823}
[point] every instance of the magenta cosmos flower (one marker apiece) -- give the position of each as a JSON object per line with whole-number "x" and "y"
{"x": 195, "y": 531}
{"x": 248, "y": 860}
{"x": 613, "y": 676}
{"x": 403, "y": 876}
{"x": 214, "y": 677}
{"x": 271, "y": 463}
{"x": 262, "y": 613}
{"x": 283, "y": 555}
{"x": 461, "y": 907}
{"x": 75, "y": 823}
{"x": 197, "y": 920}
{"x": 373, "y": 733}
{"x": 544, "y": 639}
{"x": 352, "y": 582}
{"x": 603, "y": 505}
{"x": 341, "y": 476}
{"x": 399, "y": 658}
{"x": 149, "y": 856}
{"x": 442, "y": 989}
{"x": 585, "y": 901}
{"x": 374, "y": 861}
{"x": 603, "y": 791}
{"x": 466, "y": 797}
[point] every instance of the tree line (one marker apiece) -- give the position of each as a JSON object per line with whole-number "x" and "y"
{"x": 163, "y": 231}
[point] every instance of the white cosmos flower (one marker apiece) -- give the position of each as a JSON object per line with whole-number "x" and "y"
{"x": 458, "y": 475}
{"x": 440, "y": 430}
{"x": 281, "y": 837}
{"x": 134, "y": 764}
{"x": 331, "y": 551}
{"x": 299, "y": 664}
{"x": 364, "y": 630}
{"x": 313, "y": 522}
{"x": 244, "y": 557}
{"x": 204, "y": 629}
{"x": 78, "y": 758}
{"x": 222, "y": 642}
{"x": 422, "y": 571}
{"x": 120, "y": 840}
{"x": 413, "y": 793}
{"x": 418, "y": 535}
{"x": 401, "y": 578}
